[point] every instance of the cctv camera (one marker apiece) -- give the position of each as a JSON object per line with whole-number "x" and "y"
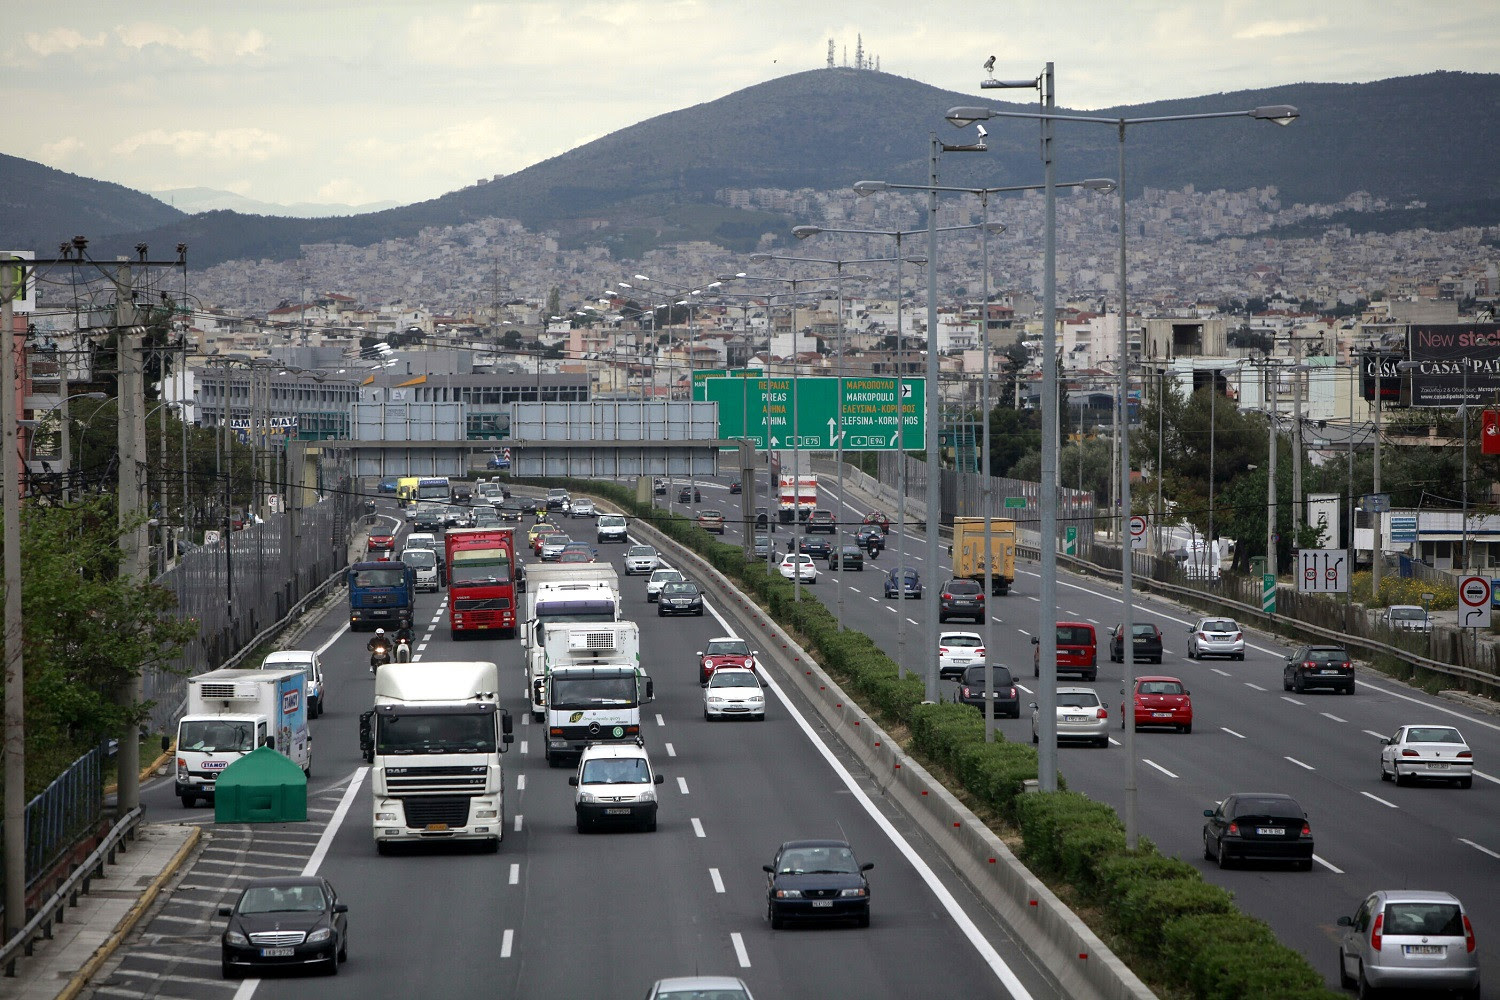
{"x": 982, "y": 131}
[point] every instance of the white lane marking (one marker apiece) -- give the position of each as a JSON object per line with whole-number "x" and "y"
{"x": 336, "y": 637}
{"x": 1481, "y": 850}
{"x": 682, "y": 784}
{"x": 1294, "y": 701}
{"x": 1377, "y": 798}
{"x": 518, "y": 822}
{"x": 913, "y": 621}
{"x": 739, "y": 950}
{"x": 1378, "y": 736}
{"x": 1255, "y": 686}
{"x": 523, "y": 746}
{"x": 1231, "y": 732}
{"x": 506, "y": 942}
{"x": 1333, "y": 868}
{"x": 515, "y": 873}
{"x": 520, "y": 782}
{"x": 1431, "y": 706}
{"x": 1023, "y": 631}
{"x": 853, "y": 589}
{"x": 1024, "y": 688}
{"x": 326, "y": 841}
{"x": 1033, "y": 597}
{"x": 1294, "y": 760}
{"x": 1221, "y": 673}
{"x": 671, "y": 750}
{"x": 525, "y": 718}
{"x": 1330, "y": 715}
{"x": 1114, "y": 742}
{"x": 713, "y": 873}
{"x": 1487, "y": 777}
{"x": 698, "y": 828}
{"x": 1152, "y": 763}
{"x": 1092, "y": 621}
{"x": 659, "y": 720}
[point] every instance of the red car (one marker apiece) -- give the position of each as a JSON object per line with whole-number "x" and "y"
{"x": 1077, "y": 651}
{"x": 725, "y": 651}
{"x": 880, "y": 519}
{"x": 381, "y": 546}
{"x": 1161, "y": 701}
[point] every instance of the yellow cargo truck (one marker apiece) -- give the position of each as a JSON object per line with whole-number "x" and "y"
{"x": 968, "y": 551}
{"x": 406, "y": 490}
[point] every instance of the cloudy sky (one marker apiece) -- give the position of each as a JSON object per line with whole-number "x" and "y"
{"x": 358, "y": 101}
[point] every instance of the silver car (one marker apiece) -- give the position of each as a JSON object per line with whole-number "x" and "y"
{"x": 1216, "y": 637}
{"x": 1080, "y": 716}
{"x": 1410, "y": 939}
{"x": 582, "y": 507}
{"x": 641, "y": 559}
{"x": 698, "y": 987}
{"x": 1435, "y": 752}
{"x": 1406, "y": 618}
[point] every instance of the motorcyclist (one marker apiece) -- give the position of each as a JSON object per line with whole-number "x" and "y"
{"x": 403, "y": 635}
{"x": 379, "y": 647}
{"x": 874, "y": 545}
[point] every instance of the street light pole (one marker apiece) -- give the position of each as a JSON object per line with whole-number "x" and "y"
{"x": 15, "y": 690}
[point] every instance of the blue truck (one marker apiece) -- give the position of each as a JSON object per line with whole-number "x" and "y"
{"x": 380, "y": 594}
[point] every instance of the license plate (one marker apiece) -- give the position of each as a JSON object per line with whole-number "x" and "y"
{"x": 1437, "y": 767}
{"x": 1161, "y": 715}
{"x": 1423, "y": 949}
{"x": 617, "y": 812}
{"x": 822, "y": 903}
{"x": 437, "y": 827}
{"x": 1334, "y": 672}
{"x": 277, "y": 952}
{"x": 1074, "y": 718}
{"x": 1270, "y": 831}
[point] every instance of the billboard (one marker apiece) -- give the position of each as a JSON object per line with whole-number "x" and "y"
{"x": 1458, "y": 364}
{"x": 1379, "y": 368}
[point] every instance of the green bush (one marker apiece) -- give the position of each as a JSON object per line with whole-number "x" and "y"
{"x": 1149, "y": 906}
{"x": 1044, "y": 819}
{"x": 1117, "y": 876}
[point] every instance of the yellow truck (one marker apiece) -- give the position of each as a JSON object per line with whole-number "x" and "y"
{"x": 968, "y": 551}
{"x": 406, "y": 490}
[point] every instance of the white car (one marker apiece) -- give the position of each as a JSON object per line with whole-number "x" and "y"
{"x": 957, "y": 650}
{"x": 1080, "y": 716}
{"x": 796, "y": 564}
{"x": 659, "y": 579}
{"x": 641, "y": 559}
{"x": 1406, "y": 618}
{"x": 1216, "y": 637}
{"x": 304, "y": 659}
{"x": 616, "y": 784}
{"x": 612, "y": 528}
{"x": 734, "y": 691}
{"x": 1436, "y": 752}
{"x": 582, "y": 507}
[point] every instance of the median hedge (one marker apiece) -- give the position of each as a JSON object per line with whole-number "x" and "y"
{"x": 1178, "y": 930}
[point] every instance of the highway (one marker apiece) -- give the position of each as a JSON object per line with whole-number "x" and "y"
{"x": 559, "y": 914}
{"x": 1248, "y": 735}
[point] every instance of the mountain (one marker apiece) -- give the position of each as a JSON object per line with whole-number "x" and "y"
{"x": 43, "y": 207}
{"x": 1411, "y": 139}
{"x": 202, "y": 199}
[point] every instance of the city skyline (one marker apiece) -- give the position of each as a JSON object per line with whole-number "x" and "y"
{"x": 357, "y": 102}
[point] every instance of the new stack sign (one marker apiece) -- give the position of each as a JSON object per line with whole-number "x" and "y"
{"x": 1458, "y": 364}
{"x": 813, "y": 412}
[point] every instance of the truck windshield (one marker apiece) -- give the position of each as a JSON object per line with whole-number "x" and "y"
{"x": 395, "y": 577}
{"x": 591, "y": 692}
{"x": 216, "y": 736}
{"x": 415, "y": 733}
{"x": 419, "y": 558}
{"x": 473, "y": 572}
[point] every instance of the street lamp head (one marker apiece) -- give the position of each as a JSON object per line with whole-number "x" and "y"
{"x": 803, "y": 232}
{"x": 866, "y": 188}
{"x": 1408, "y": 366}
{"x": 641, "y": 277}
{"x": 1281, "y": 114}
{"x": 964, "y": 117}
{"x": 1098, "y": 184}
{"x": 624, "y": 284}
{"x": 759, "y": 258}
{"x": 993, "y": 227}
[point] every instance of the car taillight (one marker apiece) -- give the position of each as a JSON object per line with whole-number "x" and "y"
{"x": 966, "y": 691}
{"x": 1234, "y": 829}
{"x": 1238, "y": 636}
{"x": 942, "y": 650}
{"x": 947, "y": 596}
{"x": 1468, "y": 935}
{"x": 1310, "y": 665}
{"x": 979, "y": 598}
{"x": 1012, "y": 692}
{"x": 1375, "y": 931}
{"x": 979, "y": 651}
{"x": 1410, "y": 753}
{"x": 1465, "y": 753}
{"x": 1306, "y": 829}
{"x": 1103, "y": 713}
{"x": 1348, "y": 666}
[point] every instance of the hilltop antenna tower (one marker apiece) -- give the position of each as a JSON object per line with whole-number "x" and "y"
{"x": 830, "y": 53}
{"x": 859, "y": 51}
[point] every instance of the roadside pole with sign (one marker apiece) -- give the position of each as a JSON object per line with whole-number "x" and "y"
{"x": 1137, "y": 532}
{"x": 1474, "y": 602}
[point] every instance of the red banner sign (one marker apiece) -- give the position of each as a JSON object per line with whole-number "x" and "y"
{"x": 1489, "y": 433}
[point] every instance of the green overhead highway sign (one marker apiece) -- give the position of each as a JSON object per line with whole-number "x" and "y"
{"x": 862, "y": 409}
{"x": 700, "y": 377}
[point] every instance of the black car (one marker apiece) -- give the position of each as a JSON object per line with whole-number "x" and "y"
{"x": 1318, "y": 666}
{"x": 870, "y": 533}
{"x": 429, "y": 519}
{"x": 529, "y": 505}
{"x": 817, "y": 880}
{"x": 903, "y": 582}
{"x": 1258, "y": 826}
{"x": 818, "y": 548}
{"x": 689, "y": 495}
{"x": 961, "y": 599}
{"x": 679, "y": 599}
{"x": 735, "y": 487}
{"x": 509, "y": 510}
{"x": 822, "y": 520}
{"x": 970, "y": 690}
{"x": 286, "y": 922}
{"x": 853, "y": 557}
{"x": 1147, "y": 644}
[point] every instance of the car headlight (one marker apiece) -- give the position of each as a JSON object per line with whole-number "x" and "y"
{"x": 788, "y": 893}
{"x": 853, "y": 893}
{"x": 324, "y": 933}
{"x": 233, "y": 936}
{"x": 385, "y": 817}
{"x": 715, "y": 699}
{"x": 587, "y": 798}
{"x": 485, "y": 814}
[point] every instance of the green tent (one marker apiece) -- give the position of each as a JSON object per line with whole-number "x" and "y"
{"x": 261, "y": 787}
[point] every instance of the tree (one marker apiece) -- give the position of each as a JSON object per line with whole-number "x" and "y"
{"x": 554, "y": 301}
{"x": 1013, "y": 433}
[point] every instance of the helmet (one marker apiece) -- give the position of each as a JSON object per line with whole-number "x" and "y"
{"x": 380, "y": 631}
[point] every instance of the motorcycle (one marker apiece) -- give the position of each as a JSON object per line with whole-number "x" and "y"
{"x": 380, "y": 655}
{"x": 403, "y": 651}
{"x": 874, "y": 551}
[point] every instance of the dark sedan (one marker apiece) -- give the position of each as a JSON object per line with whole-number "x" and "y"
{"x": 734, "y": 487}
{"x": 1318, "y": 666}
{"x": 853, "y": 557}
{"x": 1147, "y": 644}
{"x": 961, "y": 599}
{"x": 288, "y": 922}
{"x": 1258, "y": 826}
{"x": 971, "y": 691}
{"x": 868, "y": 534}
{"x": 679, "y": 599}
{"x": 818, "y": 548}
{"x": 817, "y": 880}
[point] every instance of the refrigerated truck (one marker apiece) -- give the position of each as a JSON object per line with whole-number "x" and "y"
{"x": 594, "y": 687}
{"x": 562, "y": 594}
{"x": 233, "y": 711}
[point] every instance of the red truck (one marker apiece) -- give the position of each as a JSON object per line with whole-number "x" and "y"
{"x": 481, "y": 581}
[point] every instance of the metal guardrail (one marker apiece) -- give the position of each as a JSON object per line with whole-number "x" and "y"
{"x": 57, "y": 816}
{"x": 54, "y": 910}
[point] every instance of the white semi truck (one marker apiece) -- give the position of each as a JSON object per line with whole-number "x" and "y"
{"x": 593, "y": 687}
{"x": 577, "y": 593}
{"x": 233, "y": 711}
{"x": 434, "y": 740}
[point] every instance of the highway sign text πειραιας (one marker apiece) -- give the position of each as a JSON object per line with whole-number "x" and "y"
{"x": 813, "y": 412}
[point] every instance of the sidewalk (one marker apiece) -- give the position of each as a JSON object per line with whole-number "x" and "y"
{"x": 115, "y": 903}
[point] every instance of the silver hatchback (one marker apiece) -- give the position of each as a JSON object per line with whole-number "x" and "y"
{"x": 1080, "y": 716}
{"x": 1216, "y": 637}
{"x": 1411, "y": 939}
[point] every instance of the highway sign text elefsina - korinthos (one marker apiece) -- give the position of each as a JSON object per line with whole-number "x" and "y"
{"x": 812, "y": 413}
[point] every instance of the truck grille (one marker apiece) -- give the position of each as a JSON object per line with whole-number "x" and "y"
{"x": 451, "y": 810}
{"x": 487, "y": 604}
{"x": 418, "y": 780}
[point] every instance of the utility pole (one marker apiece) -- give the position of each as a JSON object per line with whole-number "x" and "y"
{"x": 134, "y": 547}
{"x": 15, "y": 691}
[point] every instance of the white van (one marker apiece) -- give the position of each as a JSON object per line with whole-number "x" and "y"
{"x": 425, "y": 562}
{"x": 306, "y": 660}
{"x": 616, "y": 784}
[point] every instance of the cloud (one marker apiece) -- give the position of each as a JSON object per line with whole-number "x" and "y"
{"x": 235, "y": 143}
{"x": 64, "y": 150}
{"x": 342, "y": 191}
{"x": 1261, "y": 30}
{"x": 204, "y": 45}
{"x": 62, "y": 40}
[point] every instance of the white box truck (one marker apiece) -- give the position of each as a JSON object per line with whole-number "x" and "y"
{"x": 434, "y": 740}
{"x": 586, "y": 593}
{"x": 594, "y": 687}
{"x": 233, "y": 711}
